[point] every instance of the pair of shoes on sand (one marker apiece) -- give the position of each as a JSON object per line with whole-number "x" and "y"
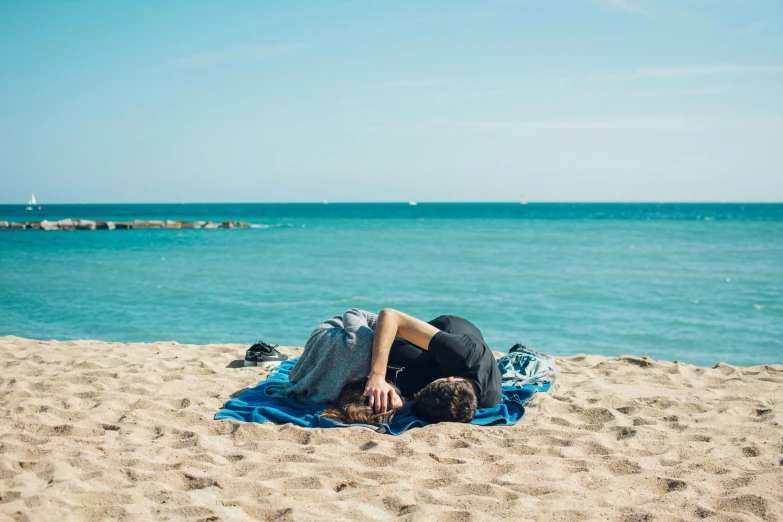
{"x": 263, "y": 354}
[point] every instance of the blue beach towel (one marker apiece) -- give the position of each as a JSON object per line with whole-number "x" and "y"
{"x": 254, "y": 405}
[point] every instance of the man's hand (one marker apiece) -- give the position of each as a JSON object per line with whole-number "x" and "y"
{"x": 381, "y": 394}
{"x": 390, "y": 324}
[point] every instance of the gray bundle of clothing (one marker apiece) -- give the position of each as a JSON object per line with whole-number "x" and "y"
{"x": 338, "y": 350}
{"x": 524, "y": 366}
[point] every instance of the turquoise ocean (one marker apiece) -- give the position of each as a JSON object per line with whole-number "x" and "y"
{"x": 698, "y": 283}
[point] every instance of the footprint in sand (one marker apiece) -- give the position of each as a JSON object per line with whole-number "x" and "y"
{"x": 667, "y": 485}
{"x": 624, "y": 432}
{"x": 376, "y": 460}
{"x": 620, "y": 467}
{"x": 446, "y": 460}
{"x": 752, "y": 504}
{"x": 346, "y": 485}
{"x": 751, "y": 451}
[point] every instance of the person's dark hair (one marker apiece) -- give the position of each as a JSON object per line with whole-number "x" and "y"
{"x": 352, "y": 407}
{"x": 446, "y": 401}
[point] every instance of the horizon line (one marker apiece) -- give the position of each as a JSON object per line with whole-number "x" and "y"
{"x": 412, "y": 203}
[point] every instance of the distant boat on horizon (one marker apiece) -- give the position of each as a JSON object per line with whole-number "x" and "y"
{"x": 412, "y": 203}
{"x": 32, "y": 202}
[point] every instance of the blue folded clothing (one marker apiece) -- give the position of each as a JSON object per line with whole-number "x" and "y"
{"x": 254, "y": 405}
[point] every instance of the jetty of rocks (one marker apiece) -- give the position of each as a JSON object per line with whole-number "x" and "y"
{"x": 86, "y": 224}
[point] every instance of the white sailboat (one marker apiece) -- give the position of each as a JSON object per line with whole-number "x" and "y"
{"x": 31, "y": 202}
{"x": 412, "y": 203}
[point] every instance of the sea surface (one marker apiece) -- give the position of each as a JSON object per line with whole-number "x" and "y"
{"x": 698, "y": 283}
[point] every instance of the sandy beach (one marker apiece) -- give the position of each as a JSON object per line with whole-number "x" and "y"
{"x": 93, "y": 430}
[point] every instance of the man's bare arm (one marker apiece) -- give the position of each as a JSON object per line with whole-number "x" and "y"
{"x": 392, "y": 323}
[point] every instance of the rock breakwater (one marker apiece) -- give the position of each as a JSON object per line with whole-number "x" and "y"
{"x": 86, "y": 224}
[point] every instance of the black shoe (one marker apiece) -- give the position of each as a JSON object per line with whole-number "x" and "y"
{"x": 262, "y": 354}
{"x": 517, "y": 347}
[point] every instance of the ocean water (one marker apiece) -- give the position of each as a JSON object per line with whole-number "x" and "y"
{"x": 699, "y": 283}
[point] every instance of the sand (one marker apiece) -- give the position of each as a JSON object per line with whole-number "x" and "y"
{"x": 93, "y": 430}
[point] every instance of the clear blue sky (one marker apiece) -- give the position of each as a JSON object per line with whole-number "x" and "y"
{"x": 572, "y": 100}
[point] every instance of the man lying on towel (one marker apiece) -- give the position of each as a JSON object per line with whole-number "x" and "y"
{"x": 448, "y": 369}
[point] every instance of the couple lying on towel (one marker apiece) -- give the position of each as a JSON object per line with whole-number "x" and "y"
{"x": 447, "y": 369}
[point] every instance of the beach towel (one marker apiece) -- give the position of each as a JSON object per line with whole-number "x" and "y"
{"x": 255, "y": 405}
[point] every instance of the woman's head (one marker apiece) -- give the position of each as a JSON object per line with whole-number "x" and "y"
{"x": 352, "y": 407}
{"x": 450, "y": 399}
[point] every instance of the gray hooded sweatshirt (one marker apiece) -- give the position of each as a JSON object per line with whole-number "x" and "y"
{"x": 339, "y": 349}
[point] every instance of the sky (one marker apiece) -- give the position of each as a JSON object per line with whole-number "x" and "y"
{"x": 487, "y": 100}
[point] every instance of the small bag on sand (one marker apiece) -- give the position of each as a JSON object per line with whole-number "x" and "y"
{"x": 522, "y": 366}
